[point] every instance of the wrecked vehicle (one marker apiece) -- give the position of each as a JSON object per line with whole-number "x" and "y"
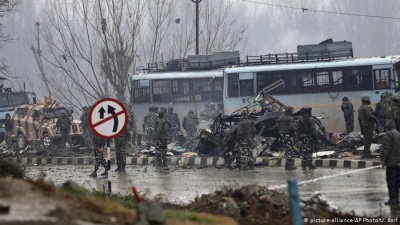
{"x": 265, "y": 110}
{"x": 35, "y": 124}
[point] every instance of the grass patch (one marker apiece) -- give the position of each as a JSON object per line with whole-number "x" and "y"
{"x": 189, "y": 216}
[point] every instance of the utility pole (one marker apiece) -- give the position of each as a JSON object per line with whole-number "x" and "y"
{"x": 38, "y": 55}
{"x": 197, "y": 24}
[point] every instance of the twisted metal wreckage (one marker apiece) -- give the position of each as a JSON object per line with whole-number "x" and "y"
{"x": 219, "y": 139}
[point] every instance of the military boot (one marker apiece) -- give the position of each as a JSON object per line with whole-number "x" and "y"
{"x": 94, "y": 173}
{"x": 392, "y": 197}
{"x": 118, "y": 167}
{"x": 122, "y": 167}
{"x": 105, "y": 174}
{"x": 164, "y": 162}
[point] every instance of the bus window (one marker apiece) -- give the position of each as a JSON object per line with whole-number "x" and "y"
{"x": 4, "y": 101}
{"x": 358, "y": 78}
{"x": 233, "y": 85}
{"x": 266, "y": 78}
{"x": 181, "y": 91}
{"x": 217, "y": 89}
{"x": 246, "y": 88}
{"x": 141, "y": 91}
{"x": 322, "y": 81}
{"x": 337, "y": 80}
{"x": 161, "y": 91}
{"x": 381, "y": 79}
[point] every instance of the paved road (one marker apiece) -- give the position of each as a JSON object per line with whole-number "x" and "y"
{"x": 360, "y": 190}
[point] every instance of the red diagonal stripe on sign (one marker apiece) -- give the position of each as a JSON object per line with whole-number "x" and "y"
{"x": 108, "y": 118}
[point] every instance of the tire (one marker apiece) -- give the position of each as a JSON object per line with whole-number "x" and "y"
{"x": 21, "y": 142}
{"x": 47, "y": 142}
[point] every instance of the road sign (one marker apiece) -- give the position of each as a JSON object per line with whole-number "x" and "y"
{"x": 108, "y": 118}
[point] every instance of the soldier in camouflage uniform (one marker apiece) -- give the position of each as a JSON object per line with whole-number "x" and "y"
{"x": 64, "y": 126}
{"x": 245, "y": 134}
{"x": 8, "y": 125}
{"x": 163, "y": 133}
{"x": 149, "y": 123}
{"x": 307, "y": 135}
{"x": 99, "y": 156}
{"x": 394, "y": 112}
{"x": 175, "y": 122}
{"x": 381, "y": 112}
{"x": 87, "y": 132}
{"x": 287, "y": 133}
{"x": 121, "y": 143}
{"x": 367, "y": 121}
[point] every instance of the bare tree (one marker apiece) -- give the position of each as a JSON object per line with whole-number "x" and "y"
{"x": 6, "y": 6}
{"x": 91, "y": 45}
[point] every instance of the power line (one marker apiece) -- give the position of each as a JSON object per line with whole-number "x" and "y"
{"x": 324, "y": 11}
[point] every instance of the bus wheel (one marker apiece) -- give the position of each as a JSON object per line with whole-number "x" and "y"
{"x": 21, "y": 142}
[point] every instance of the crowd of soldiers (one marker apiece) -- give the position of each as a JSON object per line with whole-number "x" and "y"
{"x": 388, "y": 108}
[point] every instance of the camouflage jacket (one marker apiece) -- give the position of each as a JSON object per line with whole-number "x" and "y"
{"x": 286, "y": 125}
{"x": 174, "y": 120}
{"x": 64, "y": 124}
{"x": 365, "y": 115}
{"x": 163, "y": 129}
{"x": 149, "y": 121}
{"x": 394, "y": 113}
{"x": 307, "y": 126}
{"x": 123, "y": 138}
{"x": 98, "y": 141}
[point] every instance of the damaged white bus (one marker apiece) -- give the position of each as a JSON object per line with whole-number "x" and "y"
{"x": 318, "y": 84}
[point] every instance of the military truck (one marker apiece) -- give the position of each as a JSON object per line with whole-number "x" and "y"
{"x": 9, "y": 100}
{"x": 35, "y": 124}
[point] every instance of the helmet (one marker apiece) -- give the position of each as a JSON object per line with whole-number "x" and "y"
{"x": 190, "y": 111}
{"x": 289, "y": 109}
{"x": 345, "y": 99}
{"x": 396, "y": 97}
{"x": 163, "y": 109}
{"x": 307, "y": 110}
{"x": 161, "y": 114}
{"x": 212, "y": 105}
{"x": 8, "y": 114}
{"x": 365, "y": 98}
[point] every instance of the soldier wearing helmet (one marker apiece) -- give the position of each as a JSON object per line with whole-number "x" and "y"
{"x": 64, "y": 126}
{"x": 394, "y": 111}
{"x": 9, "y": 130}
{"x": 381, "y": 112}
{"x": 348, "y": 113}
{"x": 307, "y": 134}
{"x": 287, "y": 133}
{"x": 367, "y": 121}
{"x": 210, "y": 112}
{"x": 174, "y": 120}
{"x": 149, "y": 123}
{"x": 162, "y": 135}
{"x": 246, "y": 131}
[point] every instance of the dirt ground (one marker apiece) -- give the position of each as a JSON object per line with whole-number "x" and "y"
{"x": 72, "y": 204}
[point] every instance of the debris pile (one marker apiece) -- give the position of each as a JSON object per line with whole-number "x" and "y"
{"x": 257, "y": 205}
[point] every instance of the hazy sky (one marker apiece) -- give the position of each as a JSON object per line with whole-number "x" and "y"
{"x": 273, "y": 26}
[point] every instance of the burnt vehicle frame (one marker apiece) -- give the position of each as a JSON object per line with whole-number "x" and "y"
{"x": 213, "y": 140}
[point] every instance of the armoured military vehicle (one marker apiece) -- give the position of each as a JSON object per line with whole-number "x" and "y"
{"x": 9, "y": 100}
{"x": 35, "y": 124}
